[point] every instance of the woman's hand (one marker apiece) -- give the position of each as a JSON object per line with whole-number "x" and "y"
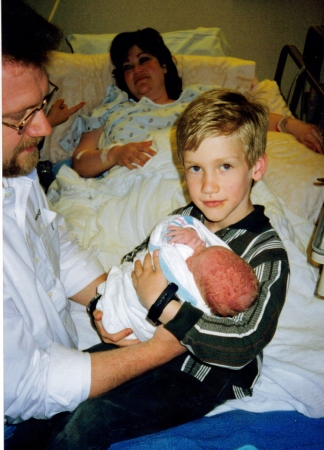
{"x": 307, "y": 134}
{"x": 116, "y": 338}
{"x": 148, "y": 282}
{"x": 132, "y": 154}
{"x": 60, "y": 112}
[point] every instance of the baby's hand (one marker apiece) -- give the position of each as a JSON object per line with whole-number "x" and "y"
{"x": 186, "y": 236}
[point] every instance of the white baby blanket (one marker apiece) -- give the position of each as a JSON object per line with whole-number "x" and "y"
{"x": 119, "y": 302}
{"x": 173, "y": 257}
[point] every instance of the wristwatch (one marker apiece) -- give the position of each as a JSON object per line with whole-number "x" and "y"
{"x": 92, "y": 306}
{"x": 163, "y": 300}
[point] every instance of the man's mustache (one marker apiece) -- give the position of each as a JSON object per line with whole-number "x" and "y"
{"x": 27, "y": 144}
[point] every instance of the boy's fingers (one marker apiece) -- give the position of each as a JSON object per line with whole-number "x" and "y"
{"x": 138, "y": 269}
{"x": 156, "y": 260}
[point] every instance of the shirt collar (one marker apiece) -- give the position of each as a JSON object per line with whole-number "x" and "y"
{"x": 254, "y": 222}
{"x": 32, "y": 174}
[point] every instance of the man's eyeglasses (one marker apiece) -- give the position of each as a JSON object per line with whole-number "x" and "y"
{"x": 23, "y": 125}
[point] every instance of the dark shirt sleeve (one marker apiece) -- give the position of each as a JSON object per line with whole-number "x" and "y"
{"x": 234, "y": 341}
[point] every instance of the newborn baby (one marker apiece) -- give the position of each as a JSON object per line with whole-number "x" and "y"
{"x": 225, "y": 281}
{"x": 208, "y": 274}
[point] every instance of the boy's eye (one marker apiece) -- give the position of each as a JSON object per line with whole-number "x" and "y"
{"x": 194, "y": 169}
{"x": 226, "y": 167}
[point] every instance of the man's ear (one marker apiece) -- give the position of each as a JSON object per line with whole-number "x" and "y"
{"x": 260, "y": 167}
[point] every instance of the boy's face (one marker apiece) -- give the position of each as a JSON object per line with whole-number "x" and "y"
{"x": 219, "y": 180}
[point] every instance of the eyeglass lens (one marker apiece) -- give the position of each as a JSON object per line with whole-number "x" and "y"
{"x": 24, "y": 124}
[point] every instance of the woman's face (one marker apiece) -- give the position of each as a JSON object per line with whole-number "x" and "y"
{"x": 144, "y": 76}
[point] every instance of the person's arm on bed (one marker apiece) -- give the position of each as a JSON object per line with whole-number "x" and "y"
{"x": 90, "y": 161}
{"x": 305, "y": 133}
{"x": 215, "y": 340}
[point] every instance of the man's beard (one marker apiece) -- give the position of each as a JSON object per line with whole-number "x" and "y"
{"x": 19, "y": 164}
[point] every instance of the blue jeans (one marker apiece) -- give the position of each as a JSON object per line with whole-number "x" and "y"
{"x": 160, "y": 399}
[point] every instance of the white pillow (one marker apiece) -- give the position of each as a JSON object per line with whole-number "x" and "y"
{"x": 202, "y": 41}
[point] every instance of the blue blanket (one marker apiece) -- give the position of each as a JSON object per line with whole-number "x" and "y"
{"x": 277, "y": 430}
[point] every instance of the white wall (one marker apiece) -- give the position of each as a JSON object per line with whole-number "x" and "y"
{"x": 255, "y": 29}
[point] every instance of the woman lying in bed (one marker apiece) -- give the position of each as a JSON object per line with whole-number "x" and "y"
{"x": 119, "y": 131}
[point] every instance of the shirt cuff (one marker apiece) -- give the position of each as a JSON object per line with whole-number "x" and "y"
{"x": 185, "y": 319}
{"x": 69, "y": 379}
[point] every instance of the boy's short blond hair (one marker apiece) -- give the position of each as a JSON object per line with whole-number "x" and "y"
{"x": 223, "y": 112}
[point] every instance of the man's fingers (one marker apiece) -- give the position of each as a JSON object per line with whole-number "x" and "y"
{"x": 97, "y": 314}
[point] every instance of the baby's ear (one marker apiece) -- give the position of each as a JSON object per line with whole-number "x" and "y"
{"x": 260, "y": 167}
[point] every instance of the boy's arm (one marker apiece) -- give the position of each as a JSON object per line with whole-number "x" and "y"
{"x": 220, "y": 340}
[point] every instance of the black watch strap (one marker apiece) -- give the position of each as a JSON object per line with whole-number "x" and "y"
{"x": 92, "y": 306}
{"x": 163, "y": 300}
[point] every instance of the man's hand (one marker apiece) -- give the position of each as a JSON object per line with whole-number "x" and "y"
{"x": 148, "y": 282}
{"x": 131, "y": 155}
{"x": 116, "y": 338}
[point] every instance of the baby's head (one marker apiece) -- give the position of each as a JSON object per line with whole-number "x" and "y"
{"x": 225, "y": 281}
{"x": 222, "y": 112}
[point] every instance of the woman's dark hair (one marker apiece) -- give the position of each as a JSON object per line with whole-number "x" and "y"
{"x": 150, "y": 41}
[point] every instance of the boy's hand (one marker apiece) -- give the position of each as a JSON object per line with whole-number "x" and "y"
{"x": 148, "y": 282}
{"x": 187, "y": 236}
{"x": 116, "y": 338}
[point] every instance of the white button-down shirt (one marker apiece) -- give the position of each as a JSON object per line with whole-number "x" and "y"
{"x": 43, "y": 265}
